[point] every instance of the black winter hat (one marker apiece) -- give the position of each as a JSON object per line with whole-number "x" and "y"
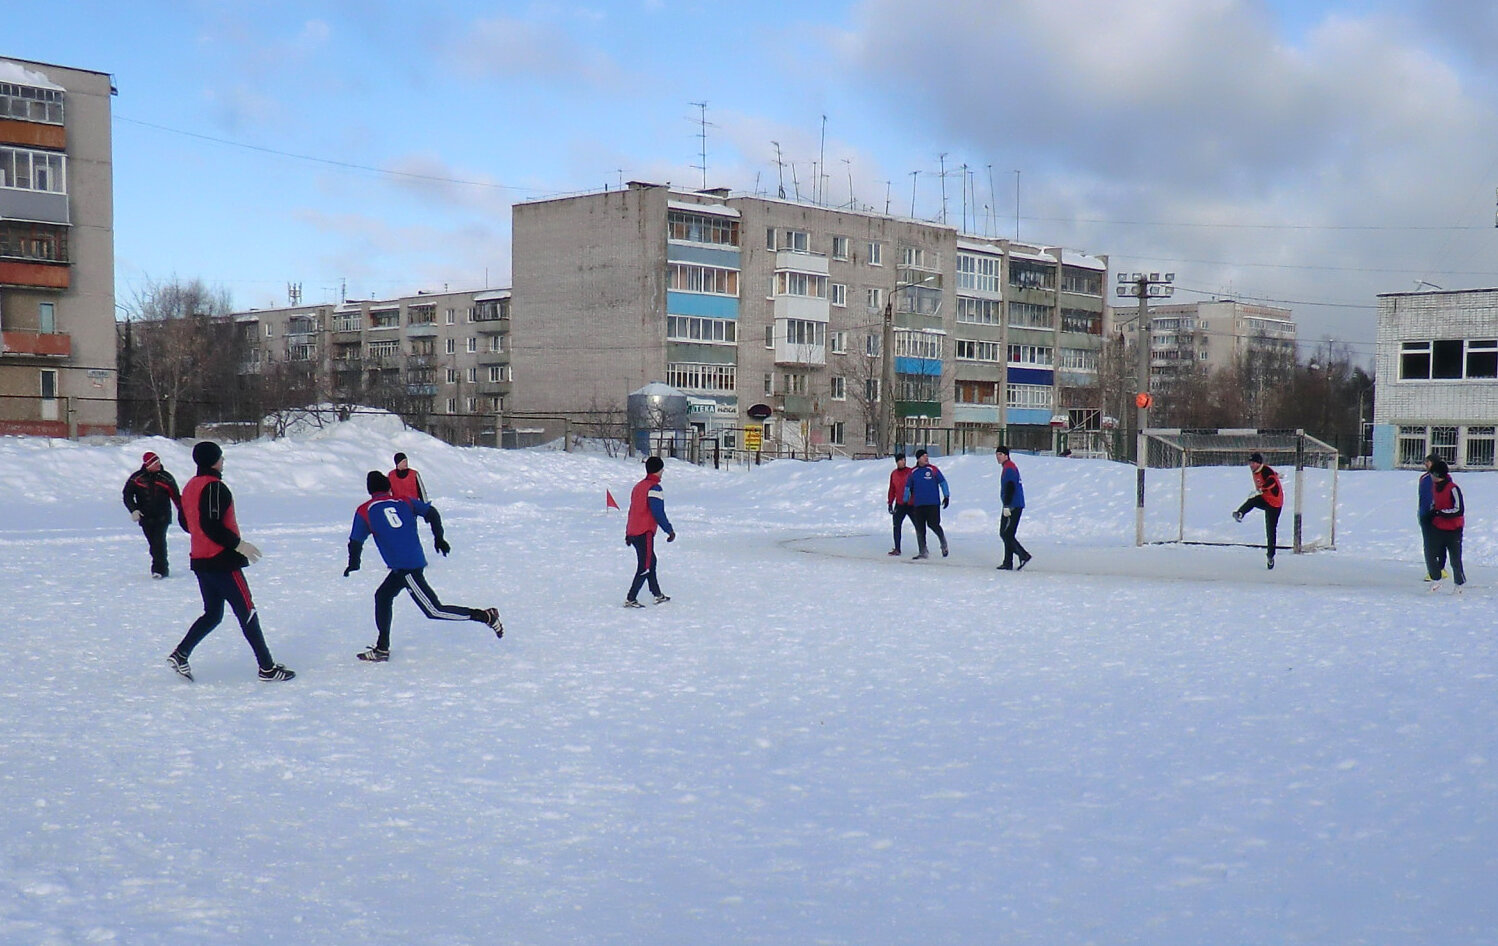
{"x": 377, "y": 482}
{"x": 654, "y": 465}
{"x": 398, "y": 458}
{"x": 1256, "y": 457}
{"x": 205, "y": 453}
{"x": 1439, "y": 468}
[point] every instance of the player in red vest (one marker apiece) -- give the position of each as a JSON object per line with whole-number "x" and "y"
{"x": 405, "y": 483}
{"x": 219, "y": 556}
{"x": 899, "y": 509}
{"x": 1448, "y": 518}
{"x": 647, "y": 512}
{"x": 1269, "y": 497}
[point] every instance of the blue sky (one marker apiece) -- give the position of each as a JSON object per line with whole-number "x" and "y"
{"x": 1314, "y": 154}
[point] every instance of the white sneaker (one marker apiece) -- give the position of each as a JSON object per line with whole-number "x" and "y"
{"x": 1435, "y": 586}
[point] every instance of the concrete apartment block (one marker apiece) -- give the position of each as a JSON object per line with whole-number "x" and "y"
{"x": 57, "y": 326}
{"x": 1437, "y": 371}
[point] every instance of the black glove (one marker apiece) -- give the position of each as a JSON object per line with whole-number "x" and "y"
{"x": 355, "y": 555}
{"x": 352, "y": 567}
{"x": 891, "y": 509}
{"x": 442, "y": 546}
{"x": 946, "y": 502}
{"x": 671, "y": 537}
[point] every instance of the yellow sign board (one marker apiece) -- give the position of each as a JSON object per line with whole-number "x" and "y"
{"x": 753, "y": 435}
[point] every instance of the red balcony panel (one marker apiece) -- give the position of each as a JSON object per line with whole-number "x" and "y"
{"x": 33, "y": 134}
{"x": 36, "y": 344}
{"x": 34, "y": 275}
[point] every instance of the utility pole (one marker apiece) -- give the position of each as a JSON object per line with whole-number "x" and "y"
{"x": 1143, "y": 286}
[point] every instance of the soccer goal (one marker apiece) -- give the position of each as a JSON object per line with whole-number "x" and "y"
{"x": 1190, "y": 481}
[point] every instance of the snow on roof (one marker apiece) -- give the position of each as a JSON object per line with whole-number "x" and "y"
{"x": 16, "y": 73}
{"x": 722, "y": 210}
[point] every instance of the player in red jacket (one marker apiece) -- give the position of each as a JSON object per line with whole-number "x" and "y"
{"x": 647, "y": 512}
{"x": 405, "y": 483}
{"x": 899, "y": 509}
{"x": 1269, "y": 496}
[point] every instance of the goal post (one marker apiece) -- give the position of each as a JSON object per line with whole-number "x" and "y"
{"x": 1188, "y": 481}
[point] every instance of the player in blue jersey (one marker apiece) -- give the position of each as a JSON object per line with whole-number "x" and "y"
{"x": 392, "y": 522}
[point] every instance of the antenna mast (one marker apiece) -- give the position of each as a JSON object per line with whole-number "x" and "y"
{"x": 702, "y": 126}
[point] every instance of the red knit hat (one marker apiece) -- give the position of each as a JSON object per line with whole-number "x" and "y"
{"x": 149, "y": 458}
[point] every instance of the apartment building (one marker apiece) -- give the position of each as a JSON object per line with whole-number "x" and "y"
{"x": 1214, "y": 335}
{"x": 57, "y": 326}
{"x": 771, "y": 313}
{"x": 441, "y": 359}
{"x": 1437, "y": 367}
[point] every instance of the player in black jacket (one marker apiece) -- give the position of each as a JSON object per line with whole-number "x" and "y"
{"x": 150, "y": 494}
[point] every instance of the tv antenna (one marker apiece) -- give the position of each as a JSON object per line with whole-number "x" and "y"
{"x": 702, "y": 125}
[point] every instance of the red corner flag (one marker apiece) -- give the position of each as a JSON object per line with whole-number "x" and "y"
{"x": 608, "y": 500}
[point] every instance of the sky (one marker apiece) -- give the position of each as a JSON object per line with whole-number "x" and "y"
{"x": 1308, "y": 154}
{"x": 812, "y": 742}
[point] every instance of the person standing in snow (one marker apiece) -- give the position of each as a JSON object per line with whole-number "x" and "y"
{"x": 899, "y": 509}
{"x": 1430, "y": 543}
{"x": 219, "y": 557}
{"x": 405, "y": 483}
{"x": 1268, "y": 497}
{"x": 1012, "y": 497}
{"x": 647, "y": 512}
{"x": 392, "y": 521}
{"x": 926, "y": 491}
{"x": 1448, "y": 518}
{"x": 150, "y": 494}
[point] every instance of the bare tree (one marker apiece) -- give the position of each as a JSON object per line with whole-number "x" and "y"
{"x": 184, "y": 350}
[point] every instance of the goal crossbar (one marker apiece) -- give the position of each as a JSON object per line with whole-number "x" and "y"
{"x": 1178, "y": 450}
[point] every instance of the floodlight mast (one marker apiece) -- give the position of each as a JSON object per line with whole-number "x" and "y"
{"x": 1143, "y": 286}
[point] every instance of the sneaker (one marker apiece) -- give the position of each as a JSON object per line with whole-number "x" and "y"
{"x": 491, "y": 618}
{"x": 1444, "y": 574}
{"x": 893, "y": 552}
{"x": 1435, "y": 586}
{"x": 179, "y": 663}
{"x": 919, "y": 555}
{"x": 1023, "y": 562}
{"x": 632, "y": 603}
{"x": 1005, "y": 568}
{"x": 278, "y": 672}
{"x": 662, "y": 599}
{"x": 1460, "y": 588}
{"x": 1237, "y": 517}
{"x": 943, "y": 551}
{"x": 158, "y": 575}
{"x": 371, "y": 653}
{"x": 1271, "y": 565}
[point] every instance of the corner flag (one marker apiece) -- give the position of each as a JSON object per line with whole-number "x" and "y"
{"x": 608, "y": 500}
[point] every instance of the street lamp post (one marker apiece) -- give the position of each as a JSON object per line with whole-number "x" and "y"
{"x": 887, "y": 366}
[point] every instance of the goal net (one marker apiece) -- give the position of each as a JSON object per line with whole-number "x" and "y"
{"x": 1190, "y": 481}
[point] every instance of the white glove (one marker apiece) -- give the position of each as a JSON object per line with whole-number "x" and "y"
{"x": 135, "y": 515}
{"x": 248, "y": 550}
{"x": 1007, "y": 510}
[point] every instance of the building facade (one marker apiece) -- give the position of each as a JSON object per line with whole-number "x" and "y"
{"x": 756, "y": 306}
{"x": 442, "y": 360}
{"x": 1437, "y": 371}
{"x": 57, "y": 325}
{"x": 1215, "y": 335}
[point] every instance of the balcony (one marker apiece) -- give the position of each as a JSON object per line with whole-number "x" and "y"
{"x": 491, "y": 326}
{"x": 421, "y": 390}
{"x": 36, "y": 344}
{"x": 494, "y": 357}
{"x": 494, "y": 387}
{"x": 794, "y": 405}
{"x": 34, "y": 275}
{"x": 422, "y": 330}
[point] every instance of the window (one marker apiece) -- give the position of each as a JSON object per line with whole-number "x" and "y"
{"x": 797, "y": 240}
{"x": 979, "y": 273}
{"x": 979, "y": 311}
{"x": 1038, "y": 355}
{"x": 49, "y": 384}
{"x": 452, "y": 346}
{"x": 916, "y": 257}
{"x": 473, "y": 405}
{"x": 384, "y": 318}
{"x": 1411, "y": 446}
{"x": 972, "y": 350}
{"x": 839, "y": 294}
{"x": 268, "y": 331}
{"x": 1081, "y": 321}
{"x": 839, "y": 247}
{"x": 348, "y": 322}
{"x": 871, "y": 390}
{"x": 1482, "y": 359}
{"x": 876, "y": 253}
{"x": 688, "y": 328}
{"x": 792, "y": 283}
{"x": 1480, "y": 446}
{"x": 769, "y": 384}
{"x": 1029, "y": 315}
{"x": 690, "y": 277}
{"x": 836, "y": 432}
{"x": 687, "y": 227}
{"x": 46, "y": 314}
{"x": 452, "y": 376}
{"x": 473, "y": 344}
{"x": 1448, "y": 360}
{"x": 1028, "y": 396}
{"x": 793, "y": 382}
{"x": 769, "y": 336}
{"x": 422, "y": 315}
{"x": 802, "y": 332}
{"x": 1086, "y": 282}
{"x": 39, "y": 241}
{"x": 699, "y": 377}
{"x": 918, "y": 344}
{"x": 31, "y": 104}
{"x": 1028, "y": 274}
{"x": 838, "y": 342}
{"x": 452, "y": 405}
{"x": 452, "y": 316}
{"x": 872, "y": 345}
{"x": 977, "y": 392}
{"x": 874, "y": 299}
{"x": 837, "y": 387}
{"x": 28, "y": 170}
{"x": 496, "y": 373}
{"x": 1085, "y": 359}
{"x": 473, "y": 375}
{"x": 301, "y": 353}
{"x": 390, "y": 349}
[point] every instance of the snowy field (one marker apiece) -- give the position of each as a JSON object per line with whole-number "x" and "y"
{"x": 813, "y": 743}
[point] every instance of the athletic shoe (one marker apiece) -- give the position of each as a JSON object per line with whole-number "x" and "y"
{"x": 943, "y": 551}
{"x": 1271, "y": 564}
{"x": 372, "y": 654}
{"x": 1459, "y": 589}
{"x": 919, "y": 555}
{"x": 157, "y": 575}
{"x": 1005, "y": 568}
{"x": 1435, "y": 586}
{"x": 1023, "y": 562}
{"x": 1444, "y": 574}
{"x": 632, "y": 603}
{"x": 491, "y": 618}
{"x": 1237, "y": 517}
{"x": 275, "y": 673}
{"x": 893, "y": 552}
{"x": 179, "y": 663}
{"x": 662, "y": 599}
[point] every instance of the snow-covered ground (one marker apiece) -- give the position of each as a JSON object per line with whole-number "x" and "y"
{"x": 812, "y": 743}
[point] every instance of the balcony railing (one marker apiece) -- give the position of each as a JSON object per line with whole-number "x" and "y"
{"x": 36, "y": 344}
